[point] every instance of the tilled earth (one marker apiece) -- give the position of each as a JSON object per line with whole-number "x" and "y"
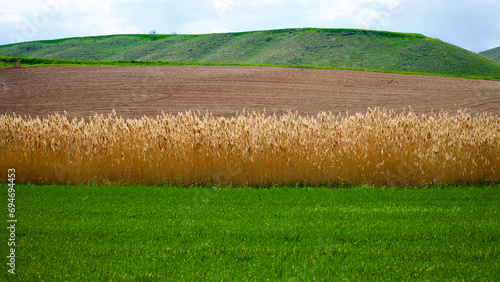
{"x": 134, "y": 92}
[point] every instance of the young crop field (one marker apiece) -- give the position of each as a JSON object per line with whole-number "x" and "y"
{"x": 170, "y": 233}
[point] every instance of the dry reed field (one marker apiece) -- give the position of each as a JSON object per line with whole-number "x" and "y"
{"x": 377, "y": 148}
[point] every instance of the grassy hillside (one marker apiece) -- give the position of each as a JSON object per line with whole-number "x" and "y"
{"x": 492, "y": 54}
{"x": 345, "y": 48}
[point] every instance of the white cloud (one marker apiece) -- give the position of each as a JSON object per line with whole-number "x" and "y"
{"x": 265, "y": 2}
{"x": 34, "y": 20}
{"x": 369, "y": 14}
{"x": 333, "y": 11}
{"x": 223, "y": 5}
{"x": 391, "y": 5}
{"x": 10, "y": 18}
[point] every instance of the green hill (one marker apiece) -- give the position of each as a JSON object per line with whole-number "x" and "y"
{"x": 343, "y": 48}
{"x": 492, "y": 54}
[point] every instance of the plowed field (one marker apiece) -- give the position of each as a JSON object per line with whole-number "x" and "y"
{"x": 223, "y": 90}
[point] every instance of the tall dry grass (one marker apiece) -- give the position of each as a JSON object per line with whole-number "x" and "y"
{"x": 376, "y": 148}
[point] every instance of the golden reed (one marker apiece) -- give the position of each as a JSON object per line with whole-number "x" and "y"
{"x": 377, "y": 148}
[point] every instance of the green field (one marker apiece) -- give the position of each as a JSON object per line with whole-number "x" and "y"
{"x": 148, "y": 233}
{"x": 337, "y": 48}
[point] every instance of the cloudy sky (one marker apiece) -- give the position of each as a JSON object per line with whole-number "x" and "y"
{"x": 470, "y": 24}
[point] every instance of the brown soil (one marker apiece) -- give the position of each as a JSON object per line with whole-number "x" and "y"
{"x": 223, "y": 90}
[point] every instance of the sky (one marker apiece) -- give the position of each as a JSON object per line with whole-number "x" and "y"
{"x": 471, "y": 24}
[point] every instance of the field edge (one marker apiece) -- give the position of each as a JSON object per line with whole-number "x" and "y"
{"x": 16, "y": 62}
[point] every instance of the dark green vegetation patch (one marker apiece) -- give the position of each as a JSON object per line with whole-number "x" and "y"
{"x": 206, "y": 234}
{"x": 493, "y": 54}
{"x": 340, "y": 48}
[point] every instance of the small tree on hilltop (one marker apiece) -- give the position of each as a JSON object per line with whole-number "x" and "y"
{"x": 152, "y": 34}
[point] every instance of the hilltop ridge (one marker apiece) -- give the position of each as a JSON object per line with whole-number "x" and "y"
{"x": 343, "y": 48}
{"x": 493, "y": 54}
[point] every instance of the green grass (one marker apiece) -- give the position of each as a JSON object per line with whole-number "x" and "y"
{"x": 6, "y": 62}
{"x": 493, "y": 54}
{"x": 168, "y": 233}
{"x": 338, "y": 48}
